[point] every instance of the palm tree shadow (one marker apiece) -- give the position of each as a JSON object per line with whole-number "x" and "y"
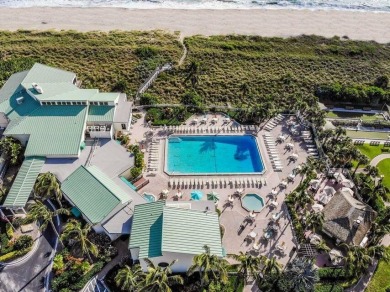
{"x": 208, "y": 146}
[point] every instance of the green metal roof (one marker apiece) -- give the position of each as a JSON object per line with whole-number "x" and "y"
{"x": 158, "y": 228}
{"x": 53, "y": 130}
{"x": 40, "y": 73}
{"x": 13, "y": 110}
{"x": 93, "y": 193}
{"x": 146, "y": 231}
{"x": 188, "y": 231}
{"x": 100, "y": 113}
{"x": 24, "y": 182}
{"x": 12, "y": 85}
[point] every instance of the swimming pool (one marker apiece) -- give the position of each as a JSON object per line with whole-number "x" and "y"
{"x": 252, "y": 202}
{"x": 212, "y": 155}
{"x": 149, "y": 197}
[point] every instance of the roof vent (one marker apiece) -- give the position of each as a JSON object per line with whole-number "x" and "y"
{"x": 37, "y": 88}
{"x": 358, "y": 221}
{"x": 19, "y": 100}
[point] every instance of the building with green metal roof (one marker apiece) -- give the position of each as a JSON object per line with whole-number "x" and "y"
{"x": 96, "y": 196}
{"x": 51, "y": 116}
{"x": 165, "y": 231}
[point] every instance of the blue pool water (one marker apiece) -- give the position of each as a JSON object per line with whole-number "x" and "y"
{"x": 252, "y": 202}
{"x": 213, "y": 154}
{"x": 149, "y": 198}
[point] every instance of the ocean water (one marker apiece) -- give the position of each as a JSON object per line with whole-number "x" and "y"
{"x": 213, "y": 154}
{"x": 361, "y": 5}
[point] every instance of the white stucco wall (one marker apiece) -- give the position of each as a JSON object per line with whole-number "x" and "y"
{"x": 184, "y": 261}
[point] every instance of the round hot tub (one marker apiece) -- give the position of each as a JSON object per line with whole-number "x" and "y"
{"x": 252, "y": 202}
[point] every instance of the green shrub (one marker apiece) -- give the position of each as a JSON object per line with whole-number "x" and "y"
{"x": 86, "y": 277}
{"x": 192, "y": 98}
{"x": 58, "y": 263}
{"x": 23, "y": 242}
{"x": 135, "y": 172}
{"x": 333, "y": 274}
{"x": 9, "y": 230}
{"x": 148, "y": 99}
{"x": 146, "y": 52}
{"x": 328, "y": 288}
{"x": 82, "y": 267}
{"x": 13, "y": 254}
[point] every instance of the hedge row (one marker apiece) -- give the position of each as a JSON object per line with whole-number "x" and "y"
{"x": 328, "y": 288}
{"x": 362, "y": 94}
{"x": 14, "y": 254}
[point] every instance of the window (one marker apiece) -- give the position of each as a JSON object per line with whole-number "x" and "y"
{"x": 43, "y": 102}
{"x": 105, "y": 103}
{"x": 68, "y": 103}
{"x": 123, "y": 126}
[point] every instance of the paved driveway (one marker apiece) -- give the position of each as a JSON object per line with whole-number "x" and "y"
{"x": 27, "y": 276}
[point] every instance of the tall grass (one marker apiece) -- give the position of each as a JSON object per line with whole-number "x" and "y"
{"x": 285, "y": 70}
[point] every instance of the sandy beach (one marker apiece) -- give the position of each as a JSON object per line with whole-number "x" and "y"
{"x": 275, "y": 22}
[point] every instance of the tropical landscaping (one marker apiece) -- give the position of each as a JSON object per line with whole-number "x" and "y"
{"x": 260, "y": 76}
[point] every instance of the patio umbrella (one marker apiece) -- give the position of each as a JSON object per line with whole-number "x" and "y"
{"x": 274, "y": 192}
{"x": 314, "y": 183}
{"x": 290, "y": 145}
{"x": 317, "y": 208}
{"x": 196, "y": 195}
{"x": 239, "y": 191}
{"x": 213, "y": 196}
{"x": 165, "y": 192}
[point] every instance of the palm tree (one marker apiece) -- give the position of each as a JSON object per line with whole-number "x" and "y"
{"x": 47, "y": 186}
{"x": 40, "y": 212}
{"x": 381, "y": 226}
{"x": 244, "y": 88}
{"x": 12, "y": 148}
{"x": 315, "y": 220}
{"x": 74, "y": 230}
{"x": 361, "y": 159}
{"x": 248, "y": 265}
{"x": 357, "y": 260}
{"x": 270, "y": 266}
{"x": 159, "y": 279}
{"x": 193, "y": 72}
{"x": 209, "y": 266}
{"x": 372, "y": 171}
{"x": 302, "y": 198}
{"x": 325, "y": 135}
{"x": 302, "y": 274}
{"x": 322, "y": 246}
{"x": 128, "y": 279}
{"x": 339, "y": 131}
{"x": 306, "y": 169}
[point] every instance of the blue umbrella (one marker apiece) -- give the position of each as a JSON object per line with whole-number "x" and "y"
{"x": 196, "y": 195}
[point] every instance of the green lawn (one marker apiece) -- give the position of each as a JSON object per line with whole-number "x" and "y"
{"x": 381, "y": 279}
{"x": 347, "y": 115}
{"x": 384, "y": 169}
{"x": 370, "y": 151}
{"x": 367, "y": 135}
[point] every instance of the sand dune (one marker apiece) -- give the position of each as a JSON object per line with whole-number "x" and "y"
{"x": 275, "y": 22}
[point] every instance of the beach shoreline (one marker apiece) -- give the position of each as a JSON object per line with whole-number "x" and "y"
{"x": 356, "y": 25}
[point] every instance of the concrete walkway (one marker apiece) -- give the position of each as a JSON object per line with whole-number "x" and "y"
{"x": 379, "y": 158}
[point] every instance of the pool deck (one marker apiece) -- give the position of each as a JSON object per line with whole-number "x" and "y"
{"x": 233, "y": 215}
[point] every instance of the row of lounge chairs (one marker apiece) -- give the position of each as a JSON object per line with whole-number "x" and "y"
{"x": 311, "y": 147}
{"x": 272, "y": 152}
{"x": 216, "y": 182}
{"x": 273, "y": 122}
{"x": 211, "y": 129}
{"x": 154, "y": 158}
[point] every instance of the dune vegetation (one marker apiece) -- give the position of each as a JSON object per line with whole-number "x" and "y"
{"x": 235, "y": 70}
